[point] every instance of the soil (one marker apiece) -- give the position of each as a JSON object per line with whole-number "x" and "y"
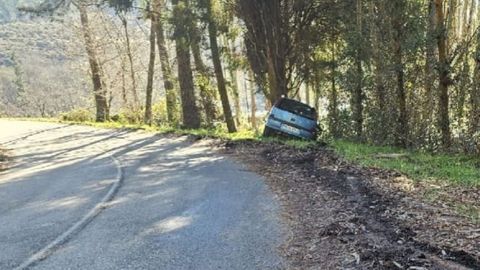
{"x": 343, "y": 216}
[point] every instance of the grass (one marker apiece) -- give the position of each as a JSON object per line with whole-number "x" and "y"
{"x": 455, "y": 169}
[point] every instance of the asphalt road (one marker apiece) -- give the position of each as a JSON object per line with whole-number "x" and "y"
{"x": 84, "y": 198}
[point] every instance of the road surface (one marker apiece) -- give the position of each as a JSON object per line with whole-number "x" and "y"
{"x": 83, "y": 198}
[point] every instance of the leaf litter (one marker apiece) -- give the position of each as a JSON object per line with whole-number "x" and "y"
{"x": 344, "y": 216}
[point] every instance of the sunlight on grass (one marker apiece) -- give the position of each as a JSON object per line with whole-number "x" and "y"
{"x": 453, "y": 168}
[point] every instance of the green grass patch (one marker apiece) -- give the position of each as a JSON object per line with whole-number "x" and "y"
{"x": 451, "y": 168}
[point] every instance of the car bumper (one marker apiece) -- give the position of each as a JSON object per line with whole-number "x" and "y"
{"x": 280, "y": 127}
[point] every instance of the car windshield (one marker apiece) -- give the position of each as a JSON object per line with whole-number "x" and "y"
{"x": 297, "y": 108}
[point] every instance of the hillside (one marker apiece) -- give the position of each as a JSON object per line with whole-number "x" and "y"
{"x": 34, "y": 52}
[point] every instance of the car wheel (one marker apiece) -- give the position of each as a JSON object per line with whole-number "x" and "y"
{"x": 267, "y": 132}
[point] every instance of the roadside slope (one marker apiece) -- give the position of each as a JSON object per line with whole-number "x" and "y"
{"x": 345, "y": 216}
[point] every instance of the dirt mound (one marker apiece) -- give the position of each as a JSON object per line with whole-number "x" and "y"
{"x": 347, "y": 217}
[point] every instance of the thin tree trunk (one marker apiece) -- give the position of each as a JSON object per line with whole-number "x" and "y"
{"x": 236, "y": 95}
{"x": 378, "y": 56}
{"x": 430, "y": 64}
{"x": 253, "y": 102}
{"x": 222, "y": 89}
{"x": 151, "y": 70}
{"x": 170, "y": 93}
{"x": 307, "y": 94}
{"x": 130, "y": 59}
{"x": 95, "y": 68}
{"x": 465, "y": 82}
{"x": 358, "y": 91}
{"x": 474, "y": 123}
{"x": 397, "y": 23}
{"x": 444, "y": 81}
{"x": 124, "y": 88}
{"x": 191, "y": 117}
{"x": 204, "y": 83}
{"x": 316, "y": 91}
{"x": 333, "y": 104}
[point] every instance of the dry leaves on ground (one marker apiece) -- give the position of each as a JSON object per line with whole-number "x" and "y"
{"x": 344, "y": 216}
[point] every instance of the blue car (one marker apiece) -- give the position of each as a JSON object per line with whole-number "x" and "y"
{"x": 292, "y": 118}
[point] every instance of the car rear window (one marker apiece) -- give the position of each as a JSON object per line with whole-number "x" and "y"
{"x": 297, "y": 108}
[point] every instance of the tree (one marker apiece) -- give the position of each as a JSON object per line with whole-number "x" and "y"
{"x": 357, "y": 95}
{"x": 203, "y": 75}
{"x": 333, "y": 114}
{"x": 99, "y": 89}
{"x": 151, "y": 70}
{"x": 397, "y": 10}
{"x": 474, "y": 126}
{"x": 428, "y": 104}
{"x": 181, "y": 13}
{"x": 217, "y": 64}
{"x": 281, "y": 36}
{"x": 443, "y": 75}
{"x": 170, "y": 93}
{"x": 122, "y": 9}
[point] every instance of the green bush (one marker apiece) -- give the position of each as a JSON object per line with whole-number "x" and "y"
{"x": 129, "y": 116}
{"x": 159, "y": 113}
{"x": 77, "y": 115}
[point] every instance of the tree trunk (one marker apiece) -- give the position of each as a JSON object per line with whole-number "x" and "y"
{"x": 378, "y": 56}
{"x": 170, "y": 93}
{"x": 465, "y": 80}
{"x": 151, "y": 70}
{"x": 357, "y": 98}
{"x": 130, "y": 59}
{"x": 307, "y": 94}
{"x": 275, "y": 49}
{"x": 474, "y": 123}
{"x": 222, "y": 89}
{"x": 99, "y": 90}
{"x": 444, "y": 80}
{"x": 397, "y": 23}
{"x": 333, "y": 120}
{"x": 253, "y": 101}
{"x": 124, "y": 87}
{"x": 316, "y": 91}
{"x": 236, "y": 95}
{"x": 430, "y": 53}
{"x": 204, "y": 82}
{"x": 191, "y": 117}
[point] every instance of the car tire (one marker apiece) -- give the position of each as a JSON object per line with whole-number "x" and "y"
{"x": 267, "y": 132}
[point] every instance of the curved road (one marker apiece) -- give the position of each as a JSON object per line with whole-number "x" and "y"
{"x": 84, "y": 198}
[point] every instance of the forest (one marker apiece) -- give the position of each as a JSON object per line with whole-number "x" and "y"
{"x": 399, "y": 73}
{"x": 142, "y": 124}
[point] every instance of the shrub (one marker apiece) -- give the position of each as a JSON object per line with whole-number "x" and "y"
{"x": 159, "y": 113}
{"x": 130, "y": 116}
{"x": 77, "y": 115}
